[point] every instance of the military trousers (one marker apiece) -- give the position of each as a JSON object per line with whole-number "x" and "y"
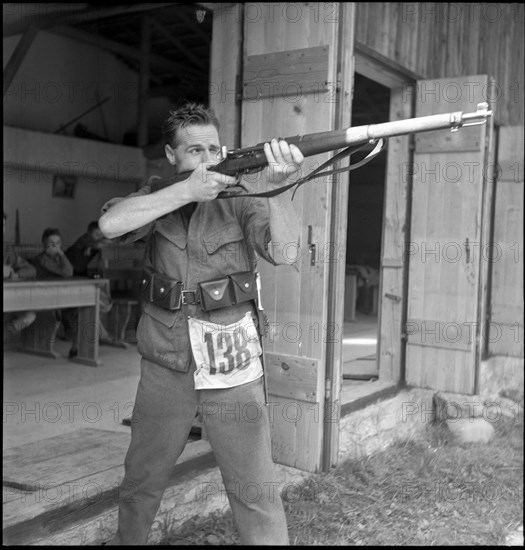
{"x": 237, "y": 426}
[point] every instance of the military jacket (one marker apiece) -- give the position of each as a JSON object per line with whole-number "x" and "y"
{"x": 223, "y": 237}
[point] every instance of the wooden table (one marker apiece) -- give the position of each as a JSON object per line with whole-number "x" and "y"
{"x": 43, "y": 296}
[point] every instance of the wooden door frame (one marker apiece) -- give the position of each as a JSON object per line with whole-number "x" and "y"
{"x": 337, "y": 235}
{"x": 400, "y": 81}
{"x": 486, "y": 236}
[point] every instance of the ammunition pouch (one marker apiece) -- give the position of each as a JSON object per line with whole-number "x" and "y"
{"x": 161, "y": 290}
{"x": 227, "y": 291}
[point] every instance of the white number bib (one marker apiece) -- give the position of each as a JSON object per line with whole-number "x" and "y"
{"x": 226, "y": 355}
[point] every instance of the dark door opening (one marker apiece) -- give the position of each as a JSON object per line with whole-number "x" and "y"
{"x": 371, "y": 105}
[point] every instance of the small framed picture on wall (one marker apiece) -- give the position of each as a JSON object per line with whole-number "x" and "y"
{"x": 64, "y": 186}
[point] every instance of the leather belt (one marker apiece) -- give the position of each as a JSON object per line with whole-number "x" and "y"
{"x": 213, "y": 294}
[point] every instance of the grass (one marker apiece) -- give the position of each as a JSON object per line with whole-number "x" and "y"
{"x": 433, "y": 491}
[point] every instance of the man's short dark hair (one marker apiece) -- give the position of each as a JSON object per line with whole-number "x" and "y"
{"x": 187, "y": 115}
{"x": 92, "y": 225}
{"x": 48, "y": 231}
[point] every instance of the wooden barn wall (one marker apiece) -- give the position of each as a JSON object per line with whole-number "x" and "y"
{"x": 447, "y": 40}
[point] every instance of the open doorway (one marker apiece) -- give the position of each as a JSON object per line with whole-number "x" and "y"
{"x": 371, "y": 105}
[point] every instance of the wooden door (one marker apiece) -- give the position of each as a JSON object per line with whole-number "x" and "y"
{"x": 289, "y": 87}
{"x": 505, "y": 328}
{"x": 393, "y": 267}
{"x": 445, "y": 250}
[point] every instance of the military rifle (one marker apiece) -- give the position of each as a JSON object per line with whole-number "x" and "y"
{"x": 239, "y": 162}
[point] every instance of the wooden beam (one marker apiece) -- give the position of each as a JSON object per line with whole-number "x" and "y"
{"x": 208, "y": 6}
{"x": 121, "y": 49}
{"x": 177, "y": 43}
{"x": 142, "y": 114}
{"x": 61, "y": 18}
{"x": 18, "y": 56}
{"x": 396, "y": 72}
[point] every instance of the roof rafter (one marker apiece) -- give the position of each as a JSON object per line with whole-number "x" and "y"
{"x": 177, "y": 43}
{"x": 68, "y": 18}
{"x": 122, "y": 49}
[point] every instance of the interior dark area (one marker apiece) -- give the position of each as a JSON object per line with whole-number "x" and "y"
{"x": 371, "y": 105}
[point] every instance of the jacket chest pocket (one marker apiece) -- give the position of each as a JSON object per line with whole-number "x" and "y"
{"x": 171, "y": 229}
{"x": 226, "y": 245}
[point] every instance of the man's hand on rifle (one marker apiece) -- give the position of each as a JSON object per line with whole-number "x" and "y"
{"x": 204, "y": 185}
{"x": 283, "y": 161}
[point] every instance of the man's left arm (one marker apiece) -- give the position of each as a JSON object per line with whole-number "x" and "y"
{"x": 284, "y": 161}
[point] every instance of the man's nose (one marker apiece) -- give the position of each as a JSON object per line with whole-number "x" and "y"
{"x": 208, "y": 156}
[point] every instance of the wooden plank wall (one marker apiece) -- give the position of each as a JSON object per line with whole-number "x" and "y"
{"x": 447, "y": 40}
{"x": 225, "y": 65}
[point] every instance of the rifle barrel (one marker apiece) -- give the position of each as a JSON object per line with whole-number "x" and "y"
{"x": 453, "y": 121}
{"x": 252, "y": 159}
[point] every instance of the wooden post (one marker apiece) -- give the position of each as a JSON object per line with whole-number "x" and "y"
{"x": 142, "y": 115}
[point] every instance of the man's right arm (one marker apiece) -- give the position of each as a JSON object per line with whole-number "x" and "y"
{"x": 139, "y": 210}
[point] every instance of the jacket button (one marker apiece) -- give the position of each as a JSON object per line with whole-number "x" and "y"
{"x": 162, "y": 290}
{"x": 215, "y": 292}
{"x": 246, "y": 285}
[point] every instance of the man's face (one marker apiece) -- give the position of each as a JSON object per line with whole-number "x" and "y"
{"x": 52, "y": 245}
{"x": 196, "y": 144}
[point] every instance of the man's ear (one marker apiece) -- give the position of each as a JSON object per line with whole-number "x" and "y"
{"x": 170, "y": 154}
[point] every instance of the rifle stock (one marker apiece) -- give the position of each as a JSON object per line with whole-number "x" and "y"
{"x": 252, "y": 159}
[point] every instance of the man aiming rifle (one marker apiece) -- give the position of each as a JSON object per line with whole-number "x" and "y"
{"x": 198, "y": 331}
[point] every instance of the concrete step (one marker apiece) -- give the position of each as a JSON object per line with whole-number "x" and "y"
{"x": 64, "y": 490}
